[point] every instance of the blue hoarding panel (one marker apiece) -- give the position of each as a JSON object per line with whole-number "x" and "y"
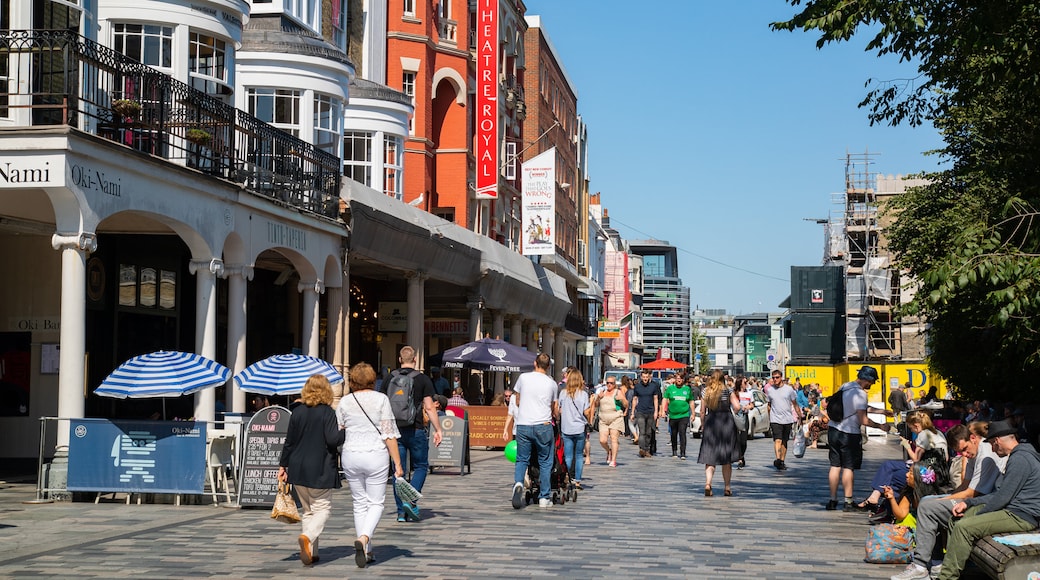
{"x": 137, "y": 456}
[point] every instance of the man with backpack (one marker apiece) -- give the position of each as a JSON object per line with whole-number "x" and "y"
{"x": 847, "y": 414}
{"x": 411, "y": 399}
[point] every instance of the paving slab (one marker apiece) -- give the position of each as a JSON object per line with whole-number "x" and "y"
{"x": 647, "y": 518}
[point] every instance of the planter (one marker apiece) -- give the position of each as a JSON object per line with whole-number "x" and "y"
{"x": 127, "y": 108}
{"x": 198, "y": 137}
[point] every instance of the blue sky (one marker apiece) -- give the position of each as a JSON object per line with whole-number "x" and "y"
{"x": 712, "y": 132}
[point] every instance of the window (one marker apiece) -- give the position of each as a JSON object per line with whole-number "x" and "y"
{"x": 339, "y": 24}
{"x": 146, "y": 287}
{"x": 148, "y": 44}
{"x": 408, "y": 88}
{"x": 511, "y": 160}
{"x": 409, "y": 7}
{"x": 328, "y": 116}
{"x": 207, "y": 64}
{"x": 279, "y": 107}
{"x": 357, "y": 156}
{"x": 393, "y": 166}
{"x": 302, "y": 10}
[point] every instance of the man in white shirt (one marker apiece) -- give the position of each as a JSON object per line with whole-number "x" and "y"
{"x": 536, "y": 395}
{"x": 783, "y": 414}
{"x": 935, "y": 511}
{"x": 844, "y": 437}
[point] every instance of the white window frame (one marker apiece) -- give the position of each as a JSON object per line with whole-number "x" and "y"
{"x": 355, "y": 164}
{"x": 393, "y": 166}
{"x": 279, "y": 96}
{"x": 328, "y": 123}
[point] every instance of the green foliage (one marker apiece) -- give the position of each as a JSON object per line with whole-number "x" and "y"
{"x": 969, "y": 236}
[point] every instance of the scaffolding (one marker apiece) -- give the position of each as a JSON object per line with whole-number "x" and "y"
{"x": 854, "y": 240}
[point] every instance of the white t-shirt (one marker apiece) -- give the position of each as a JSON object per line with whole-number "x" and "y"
{"x": 986, "y": 467}
{"x": 929, "y": 440}
{"x": 855, "y": 399}
{"x": 537, "y": 392}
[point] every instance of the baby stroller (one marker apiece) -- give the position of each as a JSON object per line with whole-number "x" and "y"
{"x": 560, "y": 485}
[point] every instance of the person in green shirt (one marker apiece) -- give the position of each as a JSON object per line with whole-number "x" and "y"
{"x": 676, "y": 403}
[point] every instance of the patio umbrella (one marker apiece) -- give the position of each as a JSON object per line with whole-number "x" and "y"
{"x": 489, "y": 354}
{"x": 284, "y": 374}
{"x": 663, "y": 364}
{"x": 165, "y": 373}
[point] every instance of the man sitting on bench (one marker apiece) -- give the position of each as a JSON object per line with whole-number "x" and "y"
{"x": 1013, "y": 507}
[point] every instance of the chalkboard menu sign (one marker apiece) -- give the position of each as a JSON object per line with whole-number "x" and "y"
{"x": 263, "y": 442}
{"x": 454, "y": 448}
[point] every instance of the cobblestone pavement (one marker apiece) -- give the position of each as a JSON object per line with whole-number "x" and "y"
{"x": 647, "y": 518}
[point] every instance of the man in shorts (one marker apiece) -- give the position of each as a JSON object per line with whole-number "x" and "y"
{"x": 845, "y": 439}
{"x": 783, "y": 413}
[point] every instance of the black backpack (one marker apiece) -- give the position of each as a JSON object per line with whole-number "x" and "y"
{"x": 836, "y": 406}
{"x": 401, "y": 392}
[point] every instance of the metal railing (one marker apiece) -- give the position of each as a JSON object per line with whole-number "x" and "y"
{"x": 56, "y": 77}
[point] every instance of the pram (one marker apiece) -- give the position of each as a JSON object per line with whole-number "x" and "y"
{"x": 561, "y": 487}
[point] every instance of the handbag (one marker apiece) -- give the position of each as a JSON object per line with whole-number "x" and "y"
{"x": 890, "y": 544}
{"x": 284, "y": 509}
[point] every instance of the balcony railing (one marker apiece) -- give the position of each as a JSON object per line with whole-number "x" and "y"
{"x": 52, "y": 77}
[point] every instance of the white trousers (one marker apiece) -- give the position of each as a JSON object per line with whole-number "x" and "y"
{"x": 366, "y": 473}
{"x": 317, "y": 505}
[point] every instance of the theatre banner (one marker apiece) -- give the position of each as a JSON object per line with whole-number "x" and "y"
{"x": 137, "y": 456}
{"x": 487, "y": 99}
{"x": 538, "y": 213}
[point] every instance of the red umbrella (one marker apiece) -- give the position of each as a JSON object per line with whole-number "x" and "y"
{"x": 663, "y": 364}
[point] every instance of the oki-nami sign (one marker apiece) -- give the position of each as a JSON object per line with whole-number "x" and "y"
{"x": 487, "y": 99}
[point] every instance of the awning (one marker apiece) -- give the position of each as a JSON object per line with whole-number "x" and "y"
{"x": 515, "y": 284}
{"x": 589, "y": 289}
{"x": 392, "y": 234}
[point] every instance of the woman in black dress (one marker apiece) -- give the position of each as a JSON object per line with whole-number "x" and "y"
{"x": 719, "y": 438}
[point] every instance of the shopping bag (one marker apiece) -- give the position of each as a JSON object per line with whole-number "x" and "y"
{"x": 890, "y": 544}
{"x": 284, "y": 509}
{"x": 405, "y": 491}
{"x": 799, "y": 442}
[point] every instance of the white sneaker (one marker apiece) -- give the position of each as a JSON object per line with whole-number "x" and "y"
{"x": 913, "y": 572}
{"x": 544, "y": 502}
{"x": 935, "y": 570}
{"x": 518, "y": 495}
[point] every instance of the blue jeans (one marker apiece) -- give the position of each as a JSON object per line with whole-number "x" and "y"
{"x": 416, "y": 444}
{"x": 574, "y": 454}
{"x": 539, "y": 439}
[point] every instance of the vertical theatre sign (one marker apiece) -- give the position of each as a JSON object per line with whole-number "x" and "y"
{"x": 538, "y": 191}
{"x": 487, "y": 99}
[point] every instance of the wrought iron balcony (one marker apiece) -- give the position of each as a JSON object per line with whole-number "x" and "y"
{"x": 54, "y": 77}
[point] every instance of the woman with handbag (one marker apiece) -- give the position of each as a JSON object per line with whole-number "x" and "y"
{"x": 574, "y": 413}
{"x": 308, "y": 461}
{"x": 611, "y": 406}
{"x": 371, "y": 434}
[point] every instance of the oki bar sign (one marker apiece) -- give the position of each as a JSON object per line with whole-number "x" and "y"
{"x": 487, "y": 99}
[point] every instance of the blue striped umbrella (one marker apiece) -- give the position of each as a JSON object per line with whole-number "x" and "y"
{"x": 165, "y": 373}
{"x": 284, "y": 374}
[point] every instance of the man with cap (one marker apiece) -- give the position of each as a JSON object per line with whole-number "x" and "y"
{"x": 935, "y": 512}
{"x": 1013, "y": 507}
{"x": 844, "y": 436}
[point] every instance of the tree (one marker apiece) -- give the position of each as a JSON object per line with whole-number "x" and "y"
{"x": 968, "y": 237}
{"x": 700, "y": 347}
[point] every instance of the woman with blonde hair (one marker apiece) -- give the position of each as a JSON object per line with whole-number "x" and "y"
{"x": 371, "y": 432}
{"x": 612, "y": 405}
{"x": 574, "y": 412}
{"x": 719, "y": 436}
{"x": 308, "y": 461}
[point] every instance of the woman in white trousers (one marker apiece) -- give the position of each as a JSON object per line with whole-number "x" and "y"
{"x": 371, "y": 432}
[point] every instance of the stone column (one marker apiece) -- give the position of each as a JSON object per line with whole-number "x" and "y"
{"x": 416, "y": 312}
{"x": 532, "y": 336}
{"x": 71, "y": 403}
{"x": 206, "y": 272}
{"x": 547, "y": 345}
{"x": 476, "y": 318}
{"x": 237, "y": 277}
{"x": 309, "y": 317}
{"x": 516, "y": 332}
{"x": 560, "y": 351}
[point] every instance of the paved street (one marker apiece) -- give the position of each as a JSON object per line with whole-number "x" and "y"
{"x": 647, "y": 518}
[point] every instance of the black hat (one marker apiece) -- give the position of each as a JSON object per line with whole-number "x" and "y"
{"x": 867, "y": 374}
{"x": 999, "y": 429}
